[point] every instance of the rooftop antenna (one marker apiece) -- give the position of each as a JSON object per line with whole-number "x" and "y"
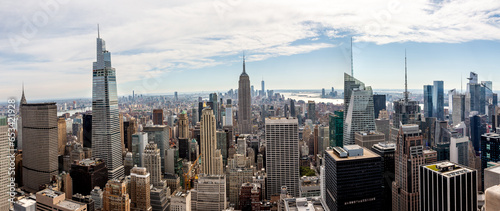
{"x": 243, "y": 61}
{"x": 406, "y": 80}
{"x": 98, "y": 35}
{"x": 461, "y": 84}
{"x": 352, "y": 69}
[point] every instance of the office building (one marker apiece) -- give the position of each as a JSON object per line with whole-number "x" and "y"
{"x": 428, "y": 104}
{"x": 115, "y": 196}
{"x": 448, "y": 186}
{"x": 159, "y": 200}
{"x": 250, "y": 196}
{"x": 282, "y": 155}
{"x": 459, "y": 150}
{"x": 378, "y": 104}
{"x": 236, "y": 177}
{"x": 369, "y": 138}
{"x": 62, "y": 136}
{"x": 106, "y": 134}
{"x": 491, "y": 176}
{"x": 158, "y": 116}
{"x": 386, "y": 150}
{"x": 490, "y": 145}
{"x": 460, "y": 108}
{"x": 159, "y": 134}
{"x": 409, "y": 156}
{"x": 40, "y": 144}
{"x": 336, "y": 127}
{"x": 358, "y": 116}
{"x": 49, "y": 199}
{"x": 292, "y": 108}
{"x": 229, "y": 113}
{"x": 140, "y": 189}
{"x": 244, "y": 103}
{"x": 477, "y": 127}
{"x": 180, "y": 201}
{"x": 87, "y": 130}
{"x": 208, "y": 142}
{"x": 139, "y": 141}
{"x": 5, "y": 163}
{"x": 353, "y": 179}
{"x": 152, "y": 162}
{"x": 87, "y": 174}
{"x": 183, "y": 126}
{"x": 311, "y": 111}
{"x": 209, "y": 193}
{"x": 263, "y": 90}
{"x": 96, "y": 195}
{"x": 84, "y": 199}
{"x": 492, "y": 199}
{"x": 438, "y": 100}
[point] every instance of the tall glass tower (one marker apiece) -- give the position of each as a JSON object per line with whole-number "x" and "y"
{"x": 438, "y": 100}
{"x": 106, "y": 139}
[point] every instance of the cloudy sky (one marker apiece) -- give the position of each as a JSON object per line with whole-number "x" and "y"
{"x": 187, "y": 46}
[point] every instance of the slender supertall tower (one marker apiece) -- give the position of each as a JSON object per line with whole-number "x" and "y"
{"x": 106, "y": 138}
{"x": 244, "y": 103}
{"x": 352, "y": 63}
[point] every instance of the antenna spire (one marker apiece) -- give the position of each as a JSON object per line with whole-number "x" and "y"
{"x": 243, "y": 61}
{"x": 406, "y": 80}
{"x": 461, "y": 84}
{"x": 98, "y": 35}
{"x": 352, "y": 69}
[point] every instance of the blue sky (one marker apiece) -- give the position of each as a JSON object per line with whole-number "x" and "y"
{"x": 167, "y": 46}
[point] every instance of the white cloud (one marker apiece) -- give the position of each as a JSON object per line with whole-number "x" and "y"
{"x": 160, "y": 36}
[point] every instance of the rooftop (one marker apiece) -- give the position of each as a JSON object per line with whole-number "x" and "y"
{"x": 494, "y": 169}
{"x": 71, "y": 205}
{"x": 50, "y": 193}
{"x": 366, "y": 154}
{"x": 448, "y": 169}
{"x": 304, "y": 204}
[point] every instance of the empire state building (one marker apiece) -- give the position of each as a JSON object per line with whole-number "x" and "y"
{"x": 106, "y": 141}
{"x": 244, "y": 103}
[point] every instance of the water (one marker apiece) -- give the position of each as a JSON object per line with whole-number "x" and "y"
{"x": 312, "y": 96}
{"x": 73, "y": 111}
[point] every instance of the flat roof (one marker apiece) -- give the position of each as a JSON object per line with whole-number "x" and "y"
{"x": 366, "y": 154}
{"x": 71, "y": 205}
{"x": 458, "y": 169}
{"x": 495, "y": 169}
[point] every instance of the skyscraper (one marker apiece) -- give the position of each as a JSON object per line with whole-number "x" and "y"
{"x": 209, "y": 193}
{"x": 311, "y": 110}
{"x": 460, "y": 108}
{"x": 183, "y": 126}
{"x": 292, "y": 108}
{"x": 358, "y": 115}
{"x": 353, "y": 179}
{"x": 40, "y": 144}
{"x": 263, "y": 91}
{"x": 244, "y": 103}
{"x": 115, "y": 196}
{"x": 4, "y": 164}
{"x": 208, "y": 143}
{"x": 378, "y": 104}
{"x": 106, "y": 137}
{"x": 438, "y": 100}
{"x": 140, "y": 189}
{"x": 87, "y": 174}
{"x": 408, "y": 156}
{"x": 428, "y": 105}
{"x": 158, "y": 116}
{"x": 159, "y": 134}
{"x": 282, "y": 155}
{"x": 229, "y": 113}
{"x": 152, "y": 162}
{"x": 448, "y": 186}
{"x": 139, "y": 142}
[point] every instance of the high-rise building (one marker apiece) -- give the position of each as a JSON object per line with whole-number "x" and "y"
{"x": 263, "y": 91}
{"x": 492, "y": 198}
{"x": 438, "y": 100}
{"x": 180, "y": 201}
{"x": 236, "y": 177}
{"x": 209, "y": 193}
{"x": 378, "y": 104}
{"x": 40, "y": 144}
{"x": 490, "y": 151}
{"x": 20, "y": 121}
{"x": 358, "y": 115}
{"x": 87, "y": 174}
{"x": 491, "y": 176}
{"x": 292, "y": 108}
{"x": 369, "y": 138}
{"x": 336, "y": 127}
{"x": 139, "y": 141}
{"x": 152, "y": 162}
{"x": 408, "y": 157}
{"x": 353, "y": 179}
{"x": 229, "y": 113}
{"x": 448, "y": 186}
{"x": 282, "y": 155}
{"x": 87, "y": 130}
{"x": 183, "y": 125}
{"x": 459, "y": 150}
{"x": 311, "y": 110}
{"x": 106, "y": 134}
{"x": 244, "y": 103}
{"x": 140, "y": 189}
{"x": 5, "y": 162}
{"x": 460, "y": 108}
{"x": 428, "y": 104}
{"x": 215, "y": 107}
{"x": 84, "y": 199}
{"x": 62, "y": 136}
{"x": 158, "y": 116}
{"x": 208, "y": 143}
{"x": 405, "y": 110}
{"x": 96, "y": 195}
{"x": 477, "y": 127}
{"x": 477, "y": 94}
{"x": 386, "y": 151}
{"x": 159, "y": 134}
{"x": 49, "y": 199}
{"x": 115, "y": 196}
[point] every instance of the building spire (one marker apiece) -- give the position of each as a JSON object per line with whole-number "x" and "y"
{"x": 352, "y": 69}
{"x": 244, "y": 62}
{"x": 23, "y": 98}
{"x": 406, "y": 80}
{"x": 98, "y": 35}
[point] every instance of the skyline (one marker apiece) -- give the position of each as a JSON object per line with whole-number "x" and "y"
{"x": 302, "y": 44}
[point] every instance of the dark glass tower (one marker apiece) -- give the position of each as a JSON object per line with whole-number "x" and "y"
{"x": 428, "y": 100}
{"x": 106, "y": 137}
{"x": 438, "y": 100}
{"x": 378, "y": 104}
